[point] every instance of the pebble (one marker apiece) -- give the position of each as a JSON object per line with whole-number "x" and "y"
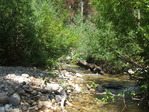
{"x": 7, "y": 107}
{"x": 15, "y": 99}
{"x": 24, "y": 107}
{"x": 58, "y": 98}
{"x": 4, "y": 99}
{"x": 34, "y": 92}
{"x": 30, "y": 108}
{"x": 11, "y": 90}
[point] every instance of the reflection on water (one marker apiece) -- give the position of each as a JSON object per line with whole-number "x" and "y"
{"x": 91, "y": 103}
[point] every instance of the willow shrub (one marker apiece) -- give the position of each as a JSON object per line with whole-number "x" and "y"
{"x": 101, "y": 44}
{"x": 50, "y": 26}
{"x": 31, "y": 32}
{"x": 17, "y": 32}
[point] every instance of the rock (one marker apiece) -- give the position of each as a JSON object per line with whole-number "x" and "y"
{"x": 34, "y": 92}
{"x": 24, "y": 107}
{"x": 27, "y": 89}
{"x": 6, "y": 88}
{"x": 68, "y": 58}
{"x": 10, "y": 109}
{"x": 14, "y": 110}
{"x": 78, "y": 75}
{"x": 45, "y": 104}
{"x": 2, "y": 109}
{"x": 25, "y": 75}
{"x": 131, "y": 71}
{"x": 29, "y": 101}
{"x": 17, "y": 87}
{"x": 44, "y": 97}
{"x": 7, "y": 107}
{"x": 30, "y": 108}
{"x": 54, "y": 87}
{"x": 45, "y": 109}
{"x": 69, "y": 91}
{"x": 25, "y": 86}
{"x": 15, "y": 99}
{"x": 66, "y": 74}
{"x": 58, "y": 98}
{"x": 3, "y": 98}
{"x": 11, "y": 90}
{"x": 77, "y": 88}
{"x": 21, "y": 91}
{"x": 2, "y": 86}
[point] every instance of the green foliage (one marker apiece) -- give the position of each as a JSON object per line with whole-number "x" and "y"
{"x": 92, "y": 84}
{"x": 31, "y": 32}
{"x": 143, "y": 42}
{"x": 16, "y": 30}
{"x": 144, "y": 81}
{"x": 49, "y": 23}
{"x": 111, "y": 35}
{"x": 109, "y": 96}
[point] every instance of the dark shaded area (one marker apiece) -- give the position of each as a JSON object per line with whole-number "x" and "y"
{"x": 18, "y": 41}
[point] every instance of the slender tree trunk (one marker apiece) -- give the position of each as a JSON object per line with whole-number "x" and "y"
{"x": 82, "y": 11}
{"x": 139, "y": 17}
{"x": 82, "y": 8}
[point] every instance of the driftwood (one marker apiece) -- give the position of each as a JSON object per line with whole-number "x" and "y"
{"x": 93, "y": 67}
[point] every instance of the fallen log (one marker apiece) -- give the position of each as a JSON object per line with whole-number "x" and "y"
{"x": 93, "y": 67}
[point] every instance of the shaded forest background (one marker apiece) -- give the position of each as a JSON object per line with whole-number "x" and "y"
{"x": 113, "y": 34}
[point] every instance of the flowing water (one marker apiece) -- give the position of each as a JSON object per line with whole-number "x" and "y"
{"x": 86, "y": 102}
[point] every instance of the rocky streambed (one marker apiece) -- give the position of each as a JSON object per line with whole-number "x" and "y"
{"x": 28, "y": 89}
{"x": 24, "y": 89}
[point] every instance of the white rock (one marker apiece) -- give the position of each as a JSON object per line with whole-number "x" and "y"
{"x": 68, "y": 58}
{"x": 67, "y": 74}
{"x": 131, "y": 71}
{"x": 7, "y": 107}
{"x": 25, "y": 75}
{"x": 54, "y": 87}
{"x": 79, "y": 75}
{"x": 16, "y": 78}
{"x": 2, "y": 109}
{"x": 77, "y": 88}
{"x": 45, "y": 103}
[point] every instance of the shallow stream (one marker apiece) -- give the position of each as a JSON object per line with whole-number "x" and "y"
{"x": 86, "y": 102}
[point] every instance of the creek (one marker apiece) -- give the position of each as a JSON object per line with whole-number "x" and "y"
{"x": 88, "y": 102}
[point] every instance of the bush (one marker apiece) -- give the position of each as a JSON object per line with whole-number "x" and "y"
{"x": 31, "y": 32}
